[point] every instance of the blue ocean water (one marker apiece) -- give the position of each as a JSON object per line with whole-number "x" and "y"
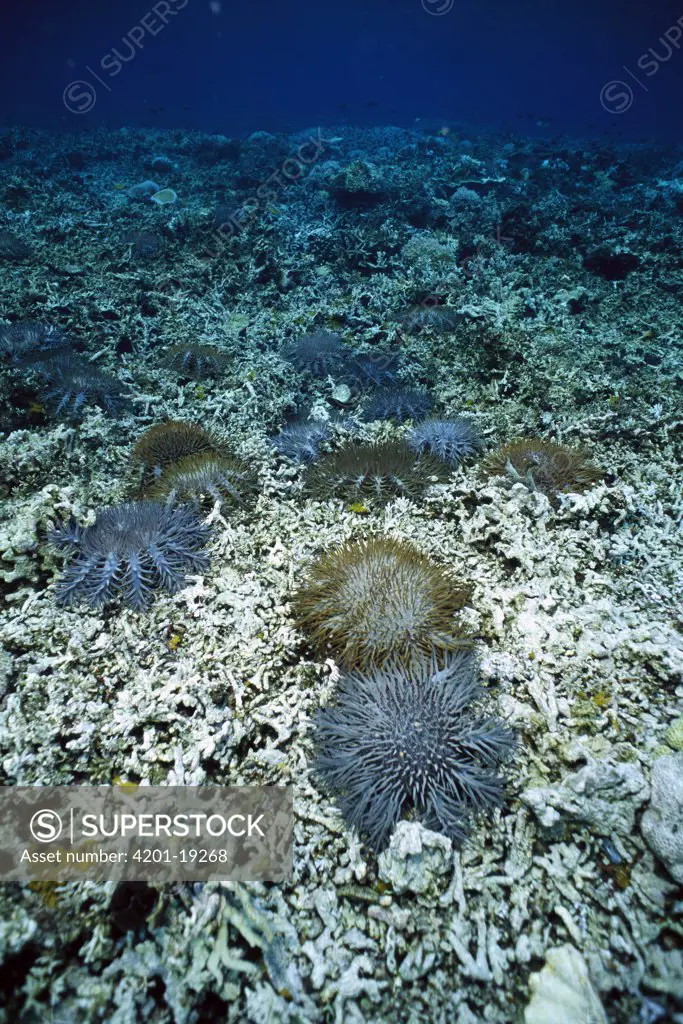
{"x": 286, "y": 64}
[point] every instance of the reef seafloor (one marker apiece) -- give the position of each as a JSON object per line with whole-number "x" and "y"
{"x": 350, "y": 461}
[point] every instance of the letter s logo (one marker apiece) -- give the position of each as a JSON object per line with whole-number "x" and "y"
{"x": 616, "y": 97}
{"x": 46, "y": 826}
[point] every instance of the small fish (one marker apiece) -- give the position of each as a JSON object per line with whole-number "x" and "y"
{"x": 127, "y": 787}
{"x": 119, "y": 186}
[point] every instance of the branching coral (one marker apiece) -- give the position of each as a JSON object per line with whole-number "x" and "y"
{"x": 367, "y": 602}
{"x": 398, "y": 404}
{"x": 373, "y": 473}
{"x": 543, "y": 466}
{"x": 449, "y": 440}
{"x": 397, "y": 741}
{"x": 130, "y": 550}
{"x": 205, "y": 476}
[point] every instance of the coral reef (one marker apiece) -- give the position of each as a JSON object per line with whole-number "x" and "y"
{"x": 617, "y": 793}
{"x": 396, "y": 740}
{"x": 370, "y": 602}
{"x": 130, "y": 551}
{"x": 661, "y": 822}
{"x": 562, "y": 990}
{"x": 449, "y": 440}
{"x": 529, "y": 324}
{"x": 375, "y": 473}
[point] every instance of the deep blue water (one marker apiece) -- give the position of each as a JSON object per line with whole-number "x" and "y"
{"x": 280, "y": 65}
